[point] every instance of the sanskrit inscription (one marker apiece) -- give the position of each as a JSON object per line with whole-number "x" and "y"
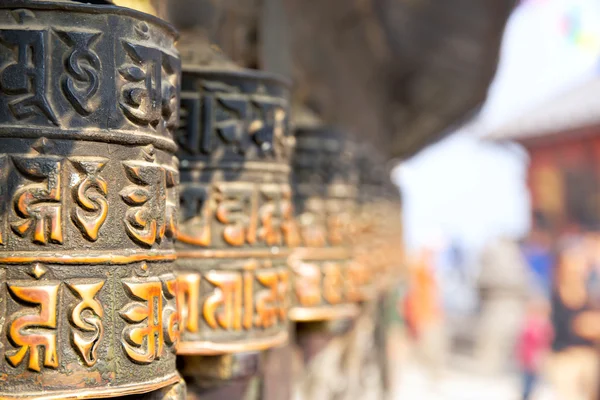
{"x": 327, "y": 282}
{"x": 152, "y": 318}
{"x": 34, "y": 331}
{"x": 39, "y": 204}
{"x": 223, "y": 116}
{"x": 238, "y": 214}
{"x": 23, "y": 78}
{"x": 151, "y": 215}
{"x": 86, "y": 318}
{"x": 90, "y": 196}
{"x": 80, "y": 83}
{"x": 149, "y": 98}
{"x": 253, "y": 297}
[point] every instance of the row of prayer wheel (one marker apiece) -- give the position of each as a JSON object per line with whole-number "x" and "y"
{"x": 148, "y": 213}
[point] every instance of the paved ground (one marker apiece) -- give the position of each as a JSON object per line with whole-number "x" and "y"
{"x": 414, "y": 383}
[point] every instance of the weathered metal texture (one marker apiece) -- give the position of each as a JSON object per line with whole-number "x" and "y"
{"x": 88, "y": 105}
{"x": 327, "y": 283}
{"x": 154, "y": 7}
{"x": 377, "y": 239}
{"x": 176, "y": 391}
{"x": 227, "y": 376}
{"x": 236, "y": 222}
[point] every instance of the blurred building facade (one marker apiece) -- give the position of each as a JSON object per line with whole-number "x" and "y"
{"x": 562, "y": 137}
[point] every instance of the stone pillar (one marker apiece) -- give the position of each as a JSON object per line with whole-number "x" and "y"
{"x": 88, "y": 106}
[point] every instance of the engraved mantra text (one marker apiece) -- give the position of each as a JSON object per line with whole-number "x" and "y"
{"x": 233, "y": 304}
{"x": 39, "y": 204}
{"x": 239, "y": 213}
{"x": 152, "y": 320}
{"x": 148, "y": 96}
{"x": 223, "y": 116}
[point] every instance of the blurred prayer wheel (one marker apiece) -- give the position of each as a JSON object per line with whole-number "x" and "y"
{"x": 236, "y": 222}
{"x": 325, "y": 189}
{"x": 88, "y": 106}
{"x": 378, "y": 238}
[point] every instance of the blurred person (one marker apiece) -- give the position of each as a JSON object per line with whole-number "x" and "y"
{"x": 534, "y": 342}
{"x": 538, "y": 251}
{"x": 502, "y": 292}
{"x": 575, "y": 365}
{"x": 423, "y": 313}
{"x": 592, "y": 243}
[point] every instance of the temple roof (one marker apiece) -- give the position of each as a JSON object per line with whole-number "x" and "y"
{"x": 573, "y": 110}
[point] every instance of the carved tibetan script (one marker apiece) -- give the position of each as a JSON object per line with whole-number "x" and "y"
{"x": 151, "y": 215}
{"x": 23, "y": 79}
{"x": 238, "y": 300}
{"x": 150, "y": 96}
{"x": 152, "y": 316}
{"x": 223, "y": 116}
{"x": 237, "y": 213}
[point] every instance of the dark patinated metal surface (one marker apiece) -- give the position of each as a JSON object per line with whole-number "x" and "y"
{"x": 176, "y": 391}
{"x": 226, "y": 376}
{"x": 88, "y": 105}
{"x": 377, "y": 239}
{"x": 327, "y": 284}
{"x": 236, "y": 221}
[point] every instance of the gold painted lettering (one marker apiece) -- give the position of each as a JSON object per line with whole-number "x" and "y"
{"x": 87, "y": 316}
{"x": 307, "y": 283}
{"x": 333, "y": 283}
{"x": 39, "y": 204}
{"x": 228, "y": 295}
{"x": 147, "y": 317}
{"x": 21, "y": 330}
{"x": 90, "y": 195}
{"x": 266, "y": 300}
{"x": 171, "y": 317}
{"x": 188, "y": 299}
{"x": 237, "y": 209}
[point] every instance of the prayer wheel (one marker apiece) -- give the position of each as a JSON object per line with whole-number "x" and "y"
{"x": 236, "y": 221}
{"x": 325, "y": 284}
{"x": 88, "y": 108}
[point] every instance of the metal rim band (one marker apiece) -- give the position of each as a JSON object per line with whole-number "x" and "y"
{"x": 238, "y": 254}
{"x": 111, "y": 136}
{"x": 320, "y": 254}
{"x": 92, "y": 9}
{"x": 242, "y": 73}
{"x": 212, "y": 348}
{"x": 106, "y": 257}
{"x": 323, "y": 313}
{"x": 189, "y": 164}
{"x": 106, "y": 392}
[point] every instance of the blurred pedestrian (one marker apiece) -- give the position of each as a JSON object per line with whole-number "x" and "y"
{"x": 538, "y": 251}
{"x": 534, "y": 342}
{"x": 575, "y": 366}
{"x": 502, "y": 292}
{"x": 424, "y": 313}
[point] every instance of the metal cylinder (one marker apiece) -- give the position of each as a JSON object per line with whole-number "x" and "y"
{"x": 377, "y": 240}
{"x": 326, "y": 283}
{"x": 236, "y": 222}
{"x": 88, "y": 105}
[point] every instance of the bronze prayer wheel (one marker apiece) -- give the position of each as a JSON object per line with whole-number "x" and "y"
{"x": 371, "y": 239}
{"x": 88, "y": 106}
{"x": 236, "y": 223}
{"x": 325, "y": 184}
